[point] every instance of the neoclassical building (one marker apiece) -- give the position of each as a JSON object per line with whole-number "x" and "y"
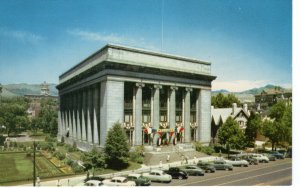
{"x": 158, "y": 98}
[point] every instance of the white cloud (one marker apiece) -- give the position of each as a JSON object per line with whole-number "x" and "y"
{"x": 238, "y": 85}
{"x": 23, "y": 36}
{"x": 110, "y": 38}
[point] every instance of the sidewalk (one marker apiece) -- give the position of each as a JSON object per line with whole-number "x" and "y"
{"x": 79, "y": 180}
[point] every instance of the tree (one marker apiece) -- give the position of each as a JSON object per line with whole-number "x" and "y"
{"x": 274, "y": 131}
{"x": 47, "y": 119}
{"x": 254, "y": 125}
{"x": 231, "y": 135}
{"x": 116, "y": 147}
{"x": 279, "y": 131}
{"x": 223, "y": 101}
{"x": 13, "y": 115}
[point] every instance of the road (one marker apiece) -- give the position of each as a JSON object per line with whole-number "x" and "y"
{"x": 274, "y": 173}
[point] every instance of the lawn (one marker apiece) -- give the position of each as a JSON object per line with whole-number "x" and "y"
{"x": 16, "y": 166}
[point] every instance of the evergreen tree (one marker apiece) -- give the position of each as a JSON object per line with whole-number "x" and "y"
{"x": 116, "y": 147}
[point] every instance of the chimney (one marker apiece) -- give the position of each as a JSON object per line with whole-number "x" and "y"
{"x": 245, "y": 107}
{"x": 234, "y": 108}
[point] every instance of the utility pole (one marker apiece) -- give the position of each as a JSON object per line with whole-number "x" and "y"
{"x": 34, "y": 175}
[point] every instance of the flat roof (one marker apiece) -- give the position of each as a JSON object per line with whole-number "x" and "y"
{"x": 138, "y": 57}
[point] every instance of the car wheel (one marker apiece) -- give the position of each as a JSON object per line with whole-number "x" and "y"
{"x": 180, "y": 177}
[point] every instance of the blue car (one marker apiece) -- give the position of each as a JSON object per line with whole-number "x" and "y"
{"x": 277, "y": 154}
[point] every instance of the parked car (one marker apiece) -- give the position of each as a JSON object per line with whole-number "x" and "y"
{"x": 250, "y": 159}
{"x": 193, "y": 170}
{"x": 93, "y": 183}
{"x": 270, "y": 157}
{"x": 176, "y": 173}
{"x": 139, "y": 179}
{"x": 158, "y": 175}
{"x": 118, "y": 181}
{"x": 236, "y": 161}
{"x": 222, "y": 165}
{"x": 99, "y": 178}
{"x": 277, "y": 154}
{"x": 261, "y": 158}
{"x": 207, "y": 167}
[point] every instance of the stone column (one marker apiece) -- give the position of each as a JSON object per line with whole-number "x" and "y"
{"x": 156, "y": 110}
{"x": 138, "y": 114}
{"x": 89, "y": 115}
{"x": 172, "y": 107}
{"x": 83, "y": 116}
{"x": 204, "y": 116}
{"x": 74, "y": 115}
{"x": 111, "y": 106}
{"x": 78, "y": 111}
{"x": 95, "y": 110}
{"x": 187, "y": 115}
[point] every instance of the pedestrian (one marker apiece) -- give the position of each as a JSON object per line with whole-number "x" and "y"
{"x": 160, "y": 164}
{"x": 58, "y": 183}
{"x": 195, "y": 159}
{"x": 168, "y": 158}
{"x": 38, "y": 181}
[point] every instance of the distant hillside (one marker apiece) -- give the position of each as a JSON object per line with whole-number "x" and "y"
{"x": 256, "y": 91}
{"x": 248, "y": 95}
{"x": 11, "y": 90}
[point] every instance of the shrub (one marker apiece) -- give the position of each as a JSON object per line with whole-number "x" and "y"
{"x": 59, "y": 155}
{"x": 137, "y": 155}
{"x": 204, "y": 149}
{"x": 76, "y": 168}
{"x": 69, "y": 162}
{"x": 50, "y": 139}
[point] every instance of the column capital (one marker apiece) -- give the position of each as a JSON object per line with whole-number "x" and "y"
{"x": 189, "y": 89}
{"x": 140, "y": 84}
{"x": 157, "y": 86}
{"x": 173, "y": 87}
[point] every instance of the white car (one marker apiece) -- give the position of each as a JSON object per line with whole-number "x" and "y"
{"x": 93, "y": 183}
{"x": 260, "y": 158}
{"x": 118, "y": 181}
{"x": 238, "y": 162}
{"x": 158, "y": 175}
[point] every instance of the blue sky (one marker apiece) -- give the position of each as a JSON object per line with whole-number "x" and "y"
{"x": 249, "y": 43}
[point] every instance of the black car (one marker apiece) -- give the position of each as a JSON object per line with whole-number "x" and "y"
{"x": 176, "y": 173}
{"x": 207, "y": 167}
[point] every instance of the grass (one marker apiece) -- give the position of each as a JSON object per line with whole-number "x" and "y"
{"x": 16, "y": 167}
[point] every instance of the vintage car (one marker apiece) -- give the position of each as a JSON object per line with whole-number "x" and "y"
{"x": 236, "y": 161}
{"x": 93, "y": 183}
{"x": 222, "y": 165}
{"x": 118, "y": 181}
{"x": 208, "y": 167}
{"x": 270, "y": 157}
{"x": 139, "y": 179}
{"x": 193, "y": 170}
{"x": 158, "y": 175}
{"x": 261, "y": 158}
{"x": 250, "y": 159}
{"x": 277, "y": 154}
{"x": 176, "y": 173}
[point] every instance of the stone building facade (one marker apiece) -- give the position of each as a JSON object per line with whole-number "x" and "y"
{"x": 158, "y": 98}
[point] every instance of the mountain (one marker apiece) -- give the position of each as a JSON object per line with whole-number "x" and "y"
{"x": 249, "y": 95}
{"x": 13, "y": 90}
{"x": 221, "y": 91}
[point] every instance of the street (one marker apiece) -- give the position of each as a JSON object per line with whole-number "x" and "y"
{"x": 273, "y": 173}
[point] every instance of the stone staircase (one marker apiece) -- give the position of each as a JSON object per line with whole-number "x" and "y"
{"x": 180, "y": 152}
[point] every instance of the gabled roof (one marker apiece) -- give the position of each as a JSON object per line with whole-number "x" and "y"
{"x": 221, "y": 114}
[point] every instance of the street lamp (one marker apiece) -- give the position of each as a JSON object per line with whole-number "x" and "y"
{"x": 34, "y": 173}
